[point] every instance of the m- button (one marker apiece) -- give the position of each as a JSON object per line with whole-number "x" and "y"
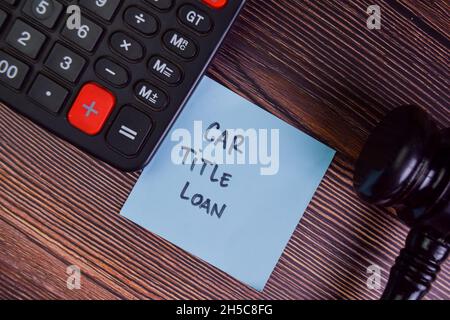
{"x": 91, "y": 109}
{"x": 165, "y": 70}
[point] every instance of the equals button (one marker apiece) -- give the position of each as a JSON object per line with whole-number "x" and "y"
{"x": 129, "y": 131}
{"x": 111, "y": 72}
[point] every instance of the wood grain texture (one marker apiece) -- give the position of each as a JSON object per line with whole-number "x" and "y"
{"x": 315, "y": 65}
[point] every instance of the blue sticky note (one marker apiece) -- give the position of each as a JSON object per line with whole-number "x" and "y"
{"x": 229, "y": 184}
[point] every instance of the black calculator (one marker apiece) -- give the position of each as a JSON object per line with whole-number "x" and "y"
{"x": 109, "y": 76}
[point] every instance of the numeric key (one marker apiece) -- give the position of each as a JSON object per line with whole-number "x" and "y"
{"x": 65, "y": 63}
{"x": 12, "y": 71}
{"x": 26, "y": 39}
{"x": 103, "y": 8}
{"x": 86, "y": 36}
{"x": 46, "y": 12}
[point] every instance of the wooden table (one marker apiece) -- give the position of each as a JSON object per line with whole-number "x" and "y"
{"x": 316, "y": 65}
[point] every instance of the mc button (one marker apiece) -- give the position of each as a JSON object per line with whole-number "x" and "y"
{"x": 180, "y": 44}
{"x": 91, "y": 109}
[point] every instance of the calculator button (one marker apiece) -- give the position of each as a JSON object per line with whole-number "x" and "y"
{"x": 126, "y": 46}
{"x": 180, "y": 44}
{"x": 11, "y": 2}
{"x": 12, "y": 71}
{"x": 111, "y": 72}
{"x": 86, "y": 36}
{"x": 129, "y": 131}
{"x": 46, "y": 12}
{"x": 161, "y": 4}
{"x": 48, "y": 93}
{"x": 65, "y": 63}
{"x": 26, "y": 39}
{"x": 151, "y": 95}
{"x": 3, "y": 17}
{"x": 103, "y": 8}
{"x": 141, "y": 21}
{"x": 216, "y": 4}
{"x": 195, "y": 19}
{"x": 91, "y": 109}
{"x": 165, "y": 70}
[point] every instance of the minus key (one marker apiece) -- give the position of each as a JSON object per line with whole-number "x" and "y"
{"x": 111, "y": 72}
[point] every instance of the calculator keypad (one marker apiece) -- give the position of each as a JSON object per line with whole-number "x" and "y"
{"x": 113, "y": 84}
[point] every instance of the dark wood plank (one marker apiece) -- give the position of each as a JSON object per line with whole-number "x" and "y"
{"x": 312, "y": 63}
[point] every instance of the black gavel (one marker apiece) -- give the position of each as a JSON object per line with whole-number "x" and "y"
{"x": 405, "y": 165}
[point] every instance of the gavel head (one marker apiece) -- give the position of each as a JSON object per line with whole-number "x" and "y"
{"x": 405, "y": 164}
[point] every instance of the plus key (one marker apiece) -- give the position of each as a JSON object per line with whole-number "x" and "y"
{"x": 91, "y": 109}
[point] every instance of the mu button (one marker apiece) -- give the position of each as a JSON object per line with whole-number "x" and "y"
{"x": 91, "y": 109}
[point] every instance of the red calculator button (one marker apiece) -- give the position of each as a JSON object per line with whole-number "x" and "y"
{"x": 216, "y": 4}
{"x": 91, "y": 109}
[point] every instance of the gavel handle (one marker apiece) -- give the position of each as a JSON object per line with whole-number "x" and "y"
{"x": 416, "y": 267}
